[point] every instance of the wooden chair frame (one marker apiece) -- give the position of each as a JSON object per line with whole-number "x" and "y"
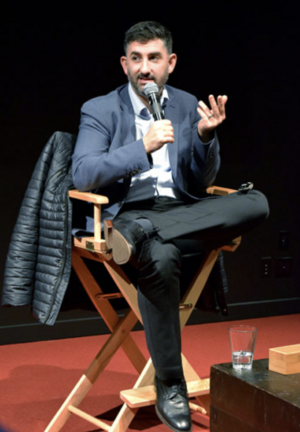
{"x": 143, "y": 393}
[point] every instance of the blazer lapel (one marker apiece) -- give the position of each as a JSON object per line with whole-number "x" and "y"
{"x": 128, "y": 130}
{"x": 171, "y": 113}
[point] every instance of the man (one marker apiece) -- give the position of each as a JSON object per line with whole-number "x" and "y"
{"x": 155, "y": 175}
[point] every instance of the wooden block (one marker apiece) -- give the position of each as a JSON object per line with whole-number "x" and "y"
{"x": 145, "y": 396}
{"x": 90, "y": 244}
{"x": 285, "y": 360}
{"x": 217, "y": 190}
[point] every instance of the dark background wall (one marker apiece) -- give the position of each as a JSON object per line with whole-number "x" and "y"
{"x": 54, "y": 59}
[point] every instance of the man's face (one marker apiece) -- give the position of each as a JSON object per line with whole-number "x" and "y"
{"x": 147, "y": 62}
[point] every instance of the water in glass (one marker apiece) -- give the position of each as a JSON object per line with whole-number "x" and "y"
{"x": 242, "y": 360}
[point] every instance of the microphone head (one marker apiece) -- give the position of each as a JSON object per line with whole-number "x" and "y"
{"x": 150, "y": 88}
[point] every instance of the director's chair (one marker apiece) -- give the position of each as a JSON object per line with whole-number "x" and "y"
{"x": 143, "y": 393}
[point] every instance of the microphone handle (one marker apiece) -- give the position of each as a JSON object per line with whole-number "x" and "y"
{"x": 155, "y": 107}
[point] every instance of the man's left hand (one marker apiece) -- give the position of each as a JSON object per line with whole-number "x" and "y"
{"x": 211, "y": 118}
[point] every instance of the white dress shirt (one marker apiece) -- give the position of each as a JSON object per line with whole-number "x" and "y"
{"x": 158, "y": 180}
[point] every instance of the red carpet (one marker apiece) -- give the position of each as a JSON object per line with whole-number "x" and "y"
{"x": 35, "y": 378}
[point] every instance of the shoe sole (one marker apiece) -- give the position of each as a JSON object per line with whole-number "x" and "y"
{"x": 121, "y": 250}
{"x": 163, "y": 420}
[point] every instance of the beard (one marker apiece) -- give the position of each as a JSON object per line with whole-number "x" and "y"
{"x": 139, "y": 88}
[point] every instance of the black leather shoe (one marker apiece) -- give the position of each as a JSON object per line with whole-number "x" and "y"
{"x": 125, "y": 238}
{"x": 172, "y": 405}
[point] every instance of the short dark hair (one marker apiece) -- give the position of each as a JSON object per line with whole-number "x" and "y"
{"x": 148, "y": 30}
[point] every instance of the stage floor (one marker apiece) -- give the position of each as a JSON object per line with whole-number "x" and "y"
{"x": 36, "y": 377}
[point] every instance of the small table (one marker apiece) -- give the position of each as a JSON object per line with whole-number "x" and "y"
{"x": 253, "y": 401}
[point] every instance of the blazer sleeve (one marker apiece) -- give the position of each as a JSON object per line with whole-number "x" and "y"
{"x": 100, "y": 158}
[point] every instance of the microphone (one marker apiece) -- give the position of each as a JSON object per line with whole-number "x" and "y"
{"x": 151, "y": 91}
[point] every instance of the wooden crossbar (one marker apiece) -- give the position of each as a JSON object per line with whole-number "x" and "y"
{"x": 89, "y": 418}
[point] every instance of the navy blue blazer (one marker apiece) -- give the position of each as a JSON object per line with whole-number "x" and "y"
{"x": 107, "y": 153}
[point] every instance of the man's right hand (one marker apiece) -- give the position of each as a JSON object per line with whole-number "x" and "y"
{"x": 160, "y": 133}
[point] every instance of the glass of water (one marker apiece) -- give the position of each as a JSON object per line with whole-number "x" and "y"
{"x": 242, "y": 342}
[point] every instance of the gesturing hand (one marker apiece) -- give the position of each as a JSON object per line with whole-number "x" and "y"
{"x": 211, "y": 118}
{"x": 160, "y": 133}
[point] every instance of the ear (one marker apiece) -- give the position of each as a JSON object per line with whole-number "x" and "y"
{"x": 172, "y": 62}
{"x": 123, "y": 61}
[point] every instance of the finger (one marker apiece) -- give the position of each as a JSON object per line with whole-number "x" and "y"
{"x": 161, "y": 123}
{"x": 210, "y": 118}
{"x": 166, "y": 132}
{"x": 167, "y": 138}
{"x": 221, "y": 103}
{"x": 202, "y": 114}
{"x": 204, "y": 109}
{"x": 166, "y": 122}
{"x": 214, "y": 107}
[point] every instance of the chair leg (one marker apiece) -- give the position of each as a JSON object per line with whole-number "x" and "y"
{"x": 92, "y": 373}
{"x": 123, "y": 419}
{"x": 189, "y": 372}
{"x": 191, "y": 375}
{"x": 204, "y": 401}
{"x": 128, "y": 290}
{"x": 196, "y": 287}
{"x": 127, "y": 414}
{"x": 107, "y": 312}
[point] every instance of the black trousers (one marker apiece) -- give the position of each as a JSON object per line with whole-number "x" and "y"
{"x": 184, "y": 228}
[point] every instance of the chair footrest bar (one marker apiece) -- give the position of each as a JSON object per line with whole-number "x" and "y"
{"x": 197, "y": 408}
{"x": 185, "y": 306}
{"x": 89, "y": 418}
{"x": 109, "y": 296}
{"x": 145, "y": 396}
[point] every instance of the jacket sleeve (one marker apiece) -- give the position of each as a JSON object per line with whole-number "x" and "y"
{"x": 38, "y": 263}
{"x": 21, "y": 259}
{"x": 100, "y": 158}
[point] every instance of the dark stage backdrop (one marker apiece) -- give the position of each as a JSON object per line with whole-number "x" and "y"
{"x": 54, "y": 59}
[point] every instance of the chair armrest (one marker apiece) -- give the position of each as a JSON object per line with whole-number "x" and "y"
{"x": 218, "y": 190}
{"x": 87, "y": 196}
{"x": 97, "y": 200}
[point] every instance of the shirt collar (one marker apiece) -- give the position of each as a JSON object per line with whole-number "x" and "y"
{"x": 139, "y": 107}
